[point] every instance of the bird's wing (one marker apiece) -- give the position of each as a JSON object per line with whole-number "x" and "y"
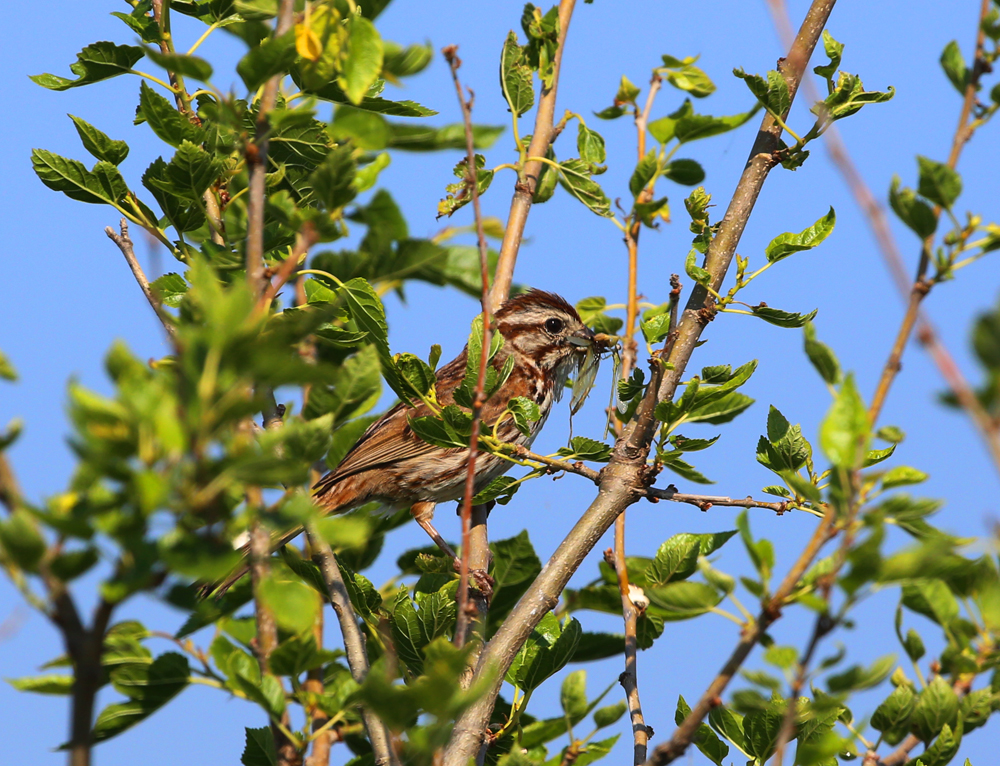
{"x": 390, "y": 439}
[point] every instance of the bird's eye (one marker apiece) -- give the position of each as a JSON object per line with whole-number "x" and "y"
{"x": 553, "y": 325}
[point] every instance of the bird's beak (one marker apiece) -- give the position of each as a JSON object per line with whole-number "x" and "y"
{"x": 584, "y": 338}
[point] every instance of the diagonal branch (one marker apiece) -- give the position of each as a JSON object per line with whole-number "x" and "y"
{"x": 354, "y": 642}
{"x": 475, "y": 553}
{"x": 541, "y": 139}
{"x": 627, "y": 470}
{"x": 124, "y": 242}
{"x": 922, "y": 285}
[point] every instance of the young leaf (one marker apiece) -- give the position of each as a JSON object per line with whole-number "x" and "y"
{"x": 684, "y": 172}
{"x": 516, "y": 77}
{"x": 912, "y": 210}
{"x": 834, "y": 50}
{"x": 846, "y": 430}
{"x": 693, "y": 270}
{"x": 780, "y": 318}
{"x": 785, "y": 244}
{"x": 954, "y": 66}
{"x": 590, "y": 145}
{"x": 272, "y": 57}
{"x": 938, "y": 182}
{"x": 184, "y": 65}
{"x": 821, "y": 356}
{"x": 524, "y": 412}
{"x": 259, "y": 749}
{"x": 644, "y": 172}
{"x": 575, "y": 177}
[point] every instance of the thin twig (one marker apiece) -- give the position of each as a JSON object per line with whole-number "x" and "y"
{"x": 305, "y": 239}
{"x": 824, "y": 624}
{"x": 354, "y": 641}
{"x": 627, "y": 470}
{"x": 256, "y": 158}
{"x": 684, "y": 735}
{"x": 629, "y": 679}
{"x": 921, "y": 285}
{"x": 480, "y": 604}
{"x": 541, "y": 139}
{"x": 124, "y": 242}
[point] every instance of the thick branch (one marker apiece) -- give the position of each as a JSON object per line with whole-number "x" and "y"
{"x": 477, "y": 606}
{"x": 627, "y": 470}
{"x": 124, "y": 242}
{"x": 541, "y": 139}
{"x": 354, "y": 642}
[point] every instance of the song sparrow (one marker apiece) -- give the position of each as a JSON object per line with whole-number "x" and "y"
{"x": 390, "y": 464}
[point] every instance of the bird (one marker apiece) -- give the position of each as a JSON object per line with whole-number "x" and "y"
{"x": 391, "y": 465}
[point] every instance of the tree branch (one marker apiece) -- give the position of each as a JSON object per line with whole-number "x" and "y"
{"x": 921, "y": 285}
{"x": 256, "y": 157}
{"x": 541, "y": 139}
{"x": 124, "y": 242}
{"x": 627, "y": 470}
{"x": 478, "y": 605}
{"x": 354, "y": 641}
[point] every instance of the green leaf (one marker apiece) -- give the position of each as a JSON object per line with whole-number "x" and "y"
{"x": 609, "y": 714}
{"x": 956, "y": 72}
{"x": 573, "y": 694}
{"x": 333, "y": 181}
{"x": 683, "y": 600}
{"x": 166, "y": 122}
{"x": 627, "y": 92}
{"x": 148, "y": 687}
{"x": 405, "y": 62}
{"x": 292, "y": 603}
{"x": 21, "y": 541}
{"x": 96, "y": 62}
{"x": 938, "y": 182}
{"x": 524, "y": 411}
{"x": 901, "y": 476}
{"x": 785, "y": 244}
{"x": 912, "y": 210}
{"x": 429, "y": 138}
{"x": 502, "y": 489}
{"x": 7, "y": 371}
{"x": 363, "y": 64}
{"x": 693, "y": 270}
{"x": 719, "y": 410}
{"x": 184, "y": 214}
{"x": 50, "y": 684}
{"x": 546, "y": 651}
{"x": 460, "y": 194}
{"x": 857, "y": 677}
{"x": 583, "y": 448}
{"x": 574, "y": 175}
{"x": 931, "y": 598}
{"x": 676, "y": 559}
{"x": 834, "y": 50}
{"x": 936, "y": 707}
{"x": 848, "y": 97}
{"x": 846, "y": 430}
{"x": 516, "y": 77}
{"x": 772, "y": 92}
{"x": 182, "y": 64}
{"x": 369, "y": 315}
{"x": 914, "y": 645}
{"x": 102, "y": 185}
{"x": 190, "y": 172}
{"x": 655, "y": 329}
{"x": 704, "y": 739}
{"x": 821, "y": 356}
{"x": 99, "y": 144}
{"x": 673, "y": 461}
{"x": 272, "y": 57}
{"x": 761, "y": 729}
{"x": 415, "y": 372}
{"x": 644, "y": 172}
{"x": 590, "y": 145}
{"x": 893, "y": 715}
{"x": 944, "y": 748}
{"x": 170, "y": 289}
{"x": 684, "y": 172}
{"x": 259, "y": 749}
{"x": 690, "y": 79}
{"x": 780, "y": 318}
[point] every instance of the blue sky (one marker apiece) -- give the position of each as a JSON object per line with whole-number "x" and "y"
{"x": 70, "y": 296}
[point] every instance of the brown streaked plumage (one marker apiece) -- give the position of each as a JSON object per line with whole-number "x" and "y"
{"x": 390, "y": 464}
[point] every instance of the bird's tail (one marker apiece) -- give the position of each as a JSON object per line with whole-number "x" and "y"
{"x": 332, "y": 497}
